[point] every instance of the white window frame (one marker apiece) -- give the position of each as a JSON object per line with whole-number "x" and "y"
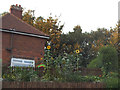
{"x": 22, "y": 62}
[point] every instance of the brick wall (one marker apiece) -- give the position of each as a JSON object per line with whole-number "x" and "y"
{"x": 86, "y": 85}
{"x": 23, "y": 47}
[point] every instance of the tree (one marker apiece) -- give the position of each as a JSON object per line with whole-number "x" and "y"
{"x": 77, "y": 41}
{"x": 77, "y": 29}
{"x": 109, "y": 58}
{"x": 28, "y": 17}
{"x": 49, "y": 26}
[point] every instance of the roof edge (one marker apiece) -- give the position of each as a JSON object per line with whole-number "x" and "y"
{"x": 24, "y": 33}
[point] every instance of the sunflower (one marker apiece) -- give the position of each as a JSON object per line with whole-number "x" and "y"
{"x": 41, "y": 58}
{"x": 3, "y": 76}
{"x": 77, "y": 51}
{"x": 52, "y": 58}
{"x": 48, "y": 47}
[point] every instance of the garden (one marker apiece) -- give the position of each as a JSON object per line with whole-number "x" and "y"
{"x": 66, "y": 69}
{"x": 84, "y": 60}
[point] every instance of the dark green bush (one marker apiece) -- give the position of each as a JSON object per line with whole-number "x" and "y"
{"x": 109, "y": 58}
{"x": 95, "y": 64}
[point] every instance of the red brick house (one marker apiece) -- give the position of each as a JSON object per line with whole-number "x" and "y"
{"x": 20, "y": 40}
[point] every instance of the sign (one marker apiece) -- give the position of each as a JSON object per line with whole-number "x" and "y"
{"x": 22, "y": 62}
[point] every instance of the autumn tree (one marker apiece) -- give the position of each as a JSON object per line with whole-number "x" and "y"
{"x": 114, "y": 36}
{"x": 28, "y": 17}
{"x": 50, "y": 26}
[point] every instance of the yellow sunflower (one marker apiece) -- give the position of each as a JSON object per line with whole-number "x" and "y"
{"x": 77, "y": 51}
{"x": 41, "y": 58}
{"x": 52, "y": 58}
{"x": 3, "y": 76}
{"x": 48, "y": 47}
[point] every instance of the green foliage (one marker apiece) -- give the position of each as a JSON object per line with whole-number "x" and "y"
{"x": 111, "y": 79}
{"x": 95, "y": 63}
{"x": 61, "y": 68}
{"x": 111, "y": 82}
{"x": 52, "y": 67}
{"x": 76, "y": 77}
{"x": 57, "y": 68}
{"x": 109, "y": 58}
{"x": 72, "y": 77}
{"x": 67, "y": 42}
{"x": 91, "y": 79}
{"x": 21, "y": 74}
{"x": 77, "y": 40}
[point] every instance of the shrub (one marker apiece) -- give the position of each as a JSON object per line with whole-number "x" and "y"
{"x": 111, "y": 82}
{"x": 72, "y": 77}
{"x": 109, "y": 58}
{"x": 21, "y": 74}
{"x": 95, "y": 63}
{"x": 91, "y": 79}
{"x": 77, "y": 77}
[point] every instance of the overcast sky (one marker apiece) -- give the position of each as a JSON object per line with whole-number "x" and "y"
{"x": 89, "y": 14}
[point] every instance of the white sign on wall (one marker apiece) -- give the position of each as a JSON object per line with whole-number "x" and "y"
{"x": 22, "y": 62}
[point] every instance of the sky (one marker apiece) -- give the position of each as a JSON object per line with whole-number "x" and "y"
{"x": 89, "y": 14}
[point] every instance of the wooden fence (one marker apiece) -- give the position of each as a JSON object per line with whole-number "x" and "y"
{"x": 6, "y": 84}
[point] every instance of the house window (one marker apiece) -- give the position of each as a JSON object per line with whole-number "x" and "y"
{"x": 22, "y": 62}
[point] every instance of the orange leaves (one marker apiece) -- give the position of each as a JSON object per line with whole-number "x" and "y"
{"x": 109, "y": 38}
{"x": 114, "y": 37}
{"x": 28, "y": 17}
{"x": 81, "y": 50}
{"x": 63, "y": 45}
{"x": 76, "y": 46}
{"x": 57, "y": 46}
{"x": 93, "y": 46}
{"x": 49, "y": 26}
